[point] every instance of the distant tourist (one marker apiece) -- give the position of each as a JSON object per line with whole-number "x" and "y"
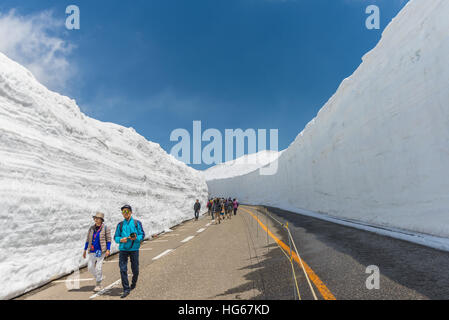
{"x": 196, "y": 208}
{"x": 228, "y": 209}
{"x": 209, "y": 207}
{"x": 236, "y": 205}
{"x": 217, "y": 210}
{"x": 223, "y": 208}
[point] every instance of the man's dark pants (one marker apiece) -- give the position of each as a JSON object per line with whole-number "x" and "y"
{"x": 197, "y": 212}
{"x": 123, "y": 263}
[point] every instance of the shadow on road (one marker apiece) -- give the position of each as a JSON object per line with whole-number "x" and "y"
{"x": 83, "y": 289}
{"x": 270, "y": 272}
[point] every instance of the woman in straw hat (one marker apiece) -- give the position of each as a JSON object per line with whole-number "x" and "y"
{"x": 98, "y": 243}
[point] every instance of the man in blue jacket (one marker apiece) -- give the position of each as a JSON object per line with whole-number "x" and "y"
{"x": 129, "y": 233}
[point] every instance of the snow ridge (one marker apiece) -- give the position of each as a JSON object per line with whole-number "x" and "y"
{"x": 243, "y": 165}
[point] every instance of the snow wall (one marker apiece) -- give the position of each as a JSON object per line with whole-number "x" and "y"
{"x": 378, "y": 151}
{"x": 58, "y": 167}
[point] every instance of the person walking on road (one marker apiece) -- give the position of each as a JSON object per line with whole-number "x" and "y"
{"x": 98, "y": 242}
{"x": 229, "y": 206}
{"x": 217, "y": 210}
{"x": 212, "y": 201}
{"x": 196, "y": 208}
{"x": 129, "y": 234}
{"x": 223, "y": 208}
{"x": 225, "y": 205}
{"x": 236, "y": 205}
{"x": 209, "y": 208}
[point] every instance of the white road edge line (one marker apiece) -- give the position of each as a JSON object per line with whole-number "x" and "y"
{"x": 201, "y": 230}
{"x": 163, "y": 254}
{"x": 188, "y": 238}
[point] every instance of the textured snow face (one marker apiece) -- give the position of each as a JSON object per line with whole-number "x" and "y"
{"x": 242, "y": 165}
{"x": 58, "y": 167}
{"x": 378, "y": 150}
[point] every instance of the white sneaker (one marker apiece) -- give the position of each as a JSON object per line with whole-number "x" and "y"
{"x": 98, "y": 288}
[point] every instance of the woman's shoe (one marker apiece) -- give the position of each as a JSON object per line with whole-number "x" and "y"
{"x": 98, "y": 287}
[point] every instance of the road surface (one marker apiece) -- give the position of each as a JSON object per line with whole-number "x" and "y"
{"x": 248, "y": 257}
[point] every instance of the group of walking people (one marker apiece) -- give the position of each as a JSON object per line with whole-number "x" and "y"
{"x": 129, "y": 234}
{"x": 222, "y": 208}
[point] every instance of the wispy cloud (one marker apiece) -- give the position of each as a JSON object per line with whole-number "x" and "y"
{"x": 32, "y": 41}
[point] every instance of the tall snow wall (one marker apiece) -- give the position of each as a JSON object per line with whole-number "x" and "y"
{"x": 378, "y": 151}
{"x": 58, "y": 167}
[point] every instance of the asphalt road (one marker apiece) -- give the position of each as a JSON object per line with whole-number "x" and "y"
{"x": 242, "y": 258}
{"x": 340, "y": 256}
{"x": 197, "y": 260}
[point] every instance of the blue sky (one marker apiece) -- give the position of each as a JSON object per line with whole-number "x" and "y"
{"x": 159, "y": 65}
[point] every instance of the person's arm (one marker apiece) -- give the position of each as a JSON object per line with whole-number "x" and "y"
{"x": 86, "y": 244}
{"x": 87, "y": 240}
{"x": 117, "y": 235}
{"x": 108, "y": 239}
{"x": 140, "y": 233}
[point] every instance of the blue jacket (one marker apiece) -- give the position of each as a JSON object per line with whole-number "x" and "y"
{"x": 128, "y": 228}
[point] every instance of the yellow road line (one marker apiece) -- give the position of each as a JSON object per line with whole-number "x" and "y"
{"x": 325, "y": 292}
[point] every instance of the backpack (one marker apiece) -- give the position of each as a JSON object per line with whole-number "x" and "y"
{"x": 136, "y": 223}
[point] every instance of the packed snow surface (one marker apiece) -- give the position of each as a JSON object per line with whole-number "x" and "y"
{"x": 58, "y": 167}
{"x": 378, "y": 151}
{"x": 243, "y": 165}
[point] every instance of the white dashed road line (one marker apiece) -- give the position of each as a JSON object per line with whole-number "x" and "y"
{"x": 146, "y": 249}
{"x": 187, "y": 239}
{"x": 163, "y": 254}
{"x": 73, "y": 280}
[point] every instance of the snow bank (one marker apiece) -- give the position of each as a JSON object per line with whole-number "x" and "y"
{"x": 242, "y": 165}
{"x": 58, "y": 167}
{"x": 378, "y": 150}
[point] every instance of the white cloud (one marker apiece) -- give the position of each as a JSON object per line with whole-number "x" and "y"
{"x": 31, "y": 41}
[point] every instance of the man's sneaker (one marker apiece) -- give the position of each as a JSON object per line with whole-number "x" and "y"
{"x": 124, "y": 294}
{"x": 133, "y": 286}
